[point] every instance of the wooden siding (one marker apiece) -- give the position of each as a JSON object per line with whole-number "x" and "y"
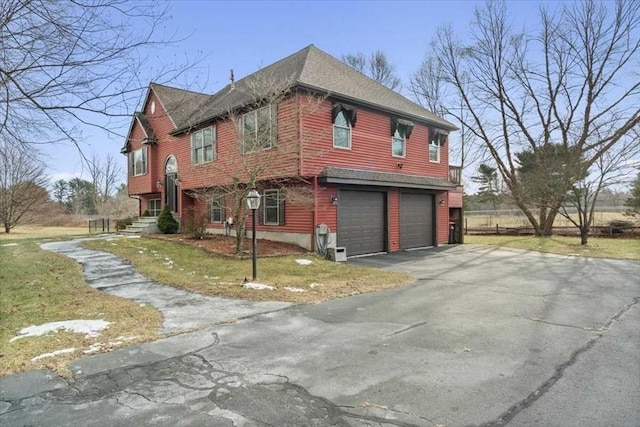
{"x": 370, "y": 146}
{"x": 327, "y": 212}
{"x": 280, "y": 161}
{"x": 442, "y": 217}
{"x": 394, "y": 220}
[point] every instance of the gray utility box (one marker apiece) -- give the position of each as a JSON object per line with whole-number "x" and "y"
{"x": 338, "y": 254}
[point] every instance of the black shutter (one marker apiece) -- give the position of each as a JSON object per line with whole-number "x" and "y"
{"x": 281, "y": 204}
{"x": 260, "y": 213}
{"x": 394, "y": 126}
{"x": 274, "y": 124}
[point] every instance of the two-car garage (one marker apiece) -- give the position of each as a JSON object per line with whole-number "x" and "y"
{"x": 363, "y": 220}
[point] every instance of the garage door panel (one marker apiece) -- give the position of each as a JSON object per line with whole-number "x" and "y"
{"x": 361, "y": 222}
{"x": 416, "y": 220}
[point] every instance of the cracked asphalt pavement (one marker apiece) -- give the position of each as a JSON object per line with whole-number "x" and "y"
{"x": 485, "y": 337}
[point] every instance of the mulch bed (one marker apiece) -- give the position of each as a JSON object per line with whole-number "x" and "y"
{"x": 226, "y": 245}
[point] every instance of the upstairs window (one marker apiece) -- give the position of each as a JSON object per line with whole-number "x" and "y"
{"x": 434, "y": 152}
{"x": 216, "y": 210}
{"x": 273, "y": 207}
{"x": 341, "y": 132}
{"x": 397, "y": 145}
{"x": 343, "y": 117}
{"x": 138, "y": 162}
{"x": 437, "y": 139}
{"x": 203, "y": 146}
{"x": 258, "y": 130}
{"x": 400, "y": 132}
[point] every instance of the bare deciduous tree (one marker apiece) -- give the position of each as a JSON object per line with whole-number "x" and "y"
{"x": 65, "y": 64}
{"x": 376, "y": 66}
{"x": 262, "y": 155}
{"x": 23, "y": 183}
{"x": 104, "y": 174}
{"x": 428, "y": 87}
{"x": 575, "y": 83}
{"x": 608, "y": 170}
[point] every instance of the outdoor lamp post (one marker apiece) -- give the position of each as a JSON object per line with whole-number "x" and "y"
{"x": 253, "y": 203}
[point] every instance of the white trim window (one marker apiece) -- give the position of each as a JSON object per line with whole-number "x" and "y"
{"x": 138, "y": 162}
{"x": 437, "y": 139}
{"x": 434, "y": 152}
{"x": 154, "y": 207}
{"x": 203, "y": 146}
{"x": 341, "y": 132}
{"x": 273, "y": 207}
{"x": 217, "y": 210}
{"x": 258, "y": 130}
{"x": 398, "y": 144}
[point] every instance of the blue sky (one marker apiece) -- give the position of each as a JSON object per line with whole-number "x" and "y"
{"x": 246, "y": 36}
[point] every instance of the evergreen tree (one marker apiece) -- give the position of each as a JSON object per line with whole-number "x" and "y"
{"x": 166, "y": 222}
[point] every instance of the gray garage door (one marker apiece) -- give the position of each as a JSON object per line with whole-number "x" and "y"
{"x": 361, "y": 222}
{"x": 416, "y": 220}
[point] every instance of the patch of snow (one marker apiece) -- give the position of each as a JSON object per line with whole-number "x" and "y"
{"x": 133, "y": 237}
{"x": 140, "y": 252}
{"x": 54, "y": 354}
{"x": 257, "y": 286}
{"x": 303, "y": 261}
{"x": 295, "y": 290}
{"x": 90, "y": 328}
{"x": 10, "y": 244}
{"x": 94, "y": 348}
{"x": 313, "y": 285}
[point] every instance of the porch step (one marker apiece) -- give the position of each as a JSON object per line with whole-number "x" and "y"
{"x": 142, "y": 225}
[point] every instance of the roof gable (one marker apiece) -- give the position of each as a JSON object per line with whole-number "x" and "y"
{"x": 179, "y": 104}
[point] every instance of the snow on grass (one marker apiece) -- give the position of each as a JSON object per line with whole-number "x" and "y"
{"x": 257, "y": 286}
{"x": 90, "y": 328}
{"x": 295, "y": 290}
{"x": 53, "y": 354}
{"x": 97, "y": 347}
{"x": 304, "y": 261}
{"x": 10, "y": 244}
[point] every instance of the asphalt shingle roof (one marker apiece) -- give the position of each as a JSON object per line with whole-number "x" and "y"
{"x": 309, "y": 68}
{"x": 180, "y": 104}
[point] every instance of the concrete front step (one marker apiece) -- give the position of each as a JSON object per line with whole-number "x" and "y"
{"x": 143, "y": 225}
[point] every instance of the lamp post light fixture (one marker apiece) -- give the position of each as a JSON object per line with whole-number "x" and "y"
{"x": 253, "y": 203}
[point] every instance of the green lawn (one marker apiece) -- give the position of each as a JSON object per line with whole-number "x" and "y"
{"x": 597, "y": 247}
{"x": 38, "y": 287}
{"x": 191, "y": 268}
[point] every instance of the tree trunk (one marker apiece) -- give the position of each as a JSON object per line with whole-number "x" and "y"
{"x": 7, "y": 228}
{"x": 584, "y": 234}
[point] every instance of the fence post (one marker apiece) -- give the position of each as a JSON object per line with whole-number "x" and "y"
{"x": 497, "y": 229}
{"x": 466, "y": 225}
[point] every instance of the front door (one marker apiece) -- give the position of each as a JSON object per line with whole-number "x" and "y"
{"x": 171, "y": 191}
{"x": 171, "y": 183}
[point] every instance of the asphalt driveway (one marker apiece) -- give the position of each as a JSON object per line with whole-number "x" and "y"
{"x": 486, "y": 337}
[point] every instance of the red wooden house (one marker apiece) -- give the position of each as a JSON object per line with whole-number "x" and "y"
{"x": 369, "y": 167}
